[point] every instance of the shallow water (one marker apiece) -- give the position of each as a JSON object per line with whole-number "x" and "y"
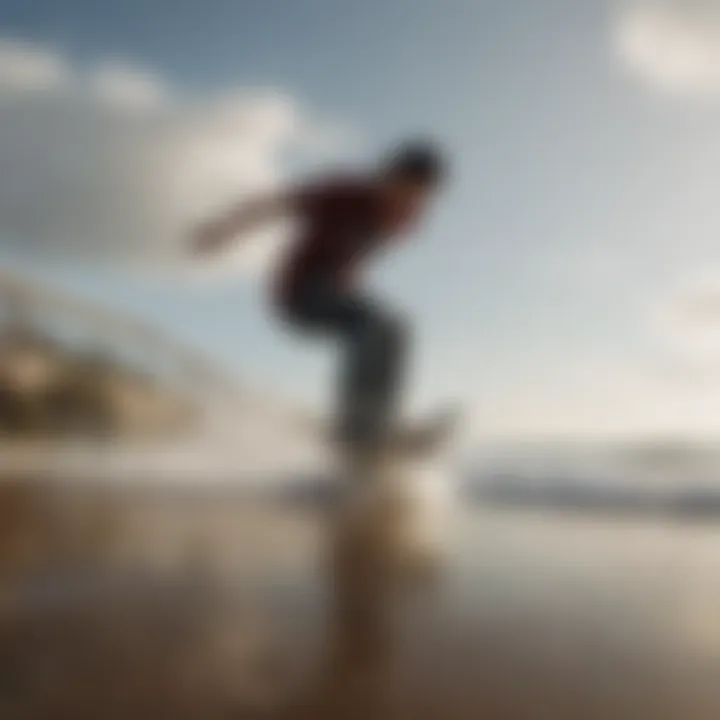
{"x": 225, "y": 612}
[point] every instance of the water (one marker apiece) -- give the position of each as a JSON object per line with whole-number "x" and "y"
{"x": 534, "y": 615}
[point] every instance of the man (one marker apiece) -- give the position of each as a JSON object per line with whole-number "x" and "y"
{"x": 344, "y": 219}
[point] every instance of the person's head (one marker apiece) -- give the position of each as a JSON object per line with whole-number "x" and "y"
{"x": 412, "y": 173}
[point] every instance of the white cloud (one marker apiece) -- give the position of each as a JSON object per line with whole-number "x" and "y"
{"x": 687, "y": 322}
{"x": 125, "y": 87}
{"x": 24, "y": 68}
{"x": 672, "y": 44}
{"x": 114, "y": 165}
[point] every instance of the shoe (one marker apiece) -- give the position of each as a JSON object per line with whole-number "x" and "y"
{"x": 427, "y": 435}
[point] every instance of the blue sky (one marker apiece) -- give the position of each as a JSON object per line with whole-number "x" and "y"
{"x": 546, "y": 282}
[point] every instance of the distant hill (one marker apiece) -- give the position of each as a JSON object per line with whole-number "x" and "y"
{"x": 669, "y": 476}
{"x": 49, "y": 389}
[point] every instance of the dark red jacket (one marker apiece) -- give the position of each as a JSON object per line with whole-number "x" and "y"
{"x": 341, "y": 222}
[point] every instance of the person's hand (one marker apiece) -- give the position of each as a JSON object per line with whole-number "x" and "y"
{"x": 208, "y": 237}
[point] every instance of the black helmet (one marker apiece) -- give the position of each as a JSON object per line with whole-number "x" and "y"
{"x": 419, "y": 160}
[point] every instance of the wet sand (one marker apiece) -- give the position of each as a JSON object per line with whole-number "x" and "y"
{"x": 225, "y": 611}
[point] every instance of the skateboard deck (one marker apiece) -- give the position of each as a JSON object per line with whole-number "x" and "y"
{"x": 421, "y": 441}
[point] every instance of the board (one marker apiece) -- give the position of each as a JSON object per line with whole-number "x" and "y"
{"x": 421, "y": 441}
{"x": 394, "y": 510}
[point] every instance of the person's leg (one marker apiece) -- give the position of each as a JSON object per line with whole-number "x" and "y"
{"x": 384, "y": 372}
{"x": 373, "y": 368}
{"x": 374, "y": 345}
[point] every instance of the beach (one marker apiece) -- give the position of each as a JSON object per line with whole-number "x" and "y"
{"x": 222, "y": 608}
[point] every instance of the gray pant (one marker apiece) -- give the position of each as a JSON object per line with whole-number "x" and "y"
{"x": 373, "y": 342}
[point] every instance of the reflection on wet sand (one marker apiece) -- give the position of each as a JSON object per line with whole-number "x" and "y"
{"x": 220, "y": 609}
{"x": 370, "y": 576}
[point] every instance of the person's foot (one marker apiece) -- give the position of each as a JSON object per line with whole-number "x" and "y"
{"x": 358, "y": 450}
{"x": 427, "y": 434}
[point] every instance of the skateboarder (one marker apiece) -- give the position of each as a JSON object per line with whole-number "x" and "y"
{"x": 343, "y": 219}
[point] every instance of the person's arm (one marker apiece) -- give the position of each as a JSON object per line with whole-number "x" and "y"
{"x": 213, "y": 235}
